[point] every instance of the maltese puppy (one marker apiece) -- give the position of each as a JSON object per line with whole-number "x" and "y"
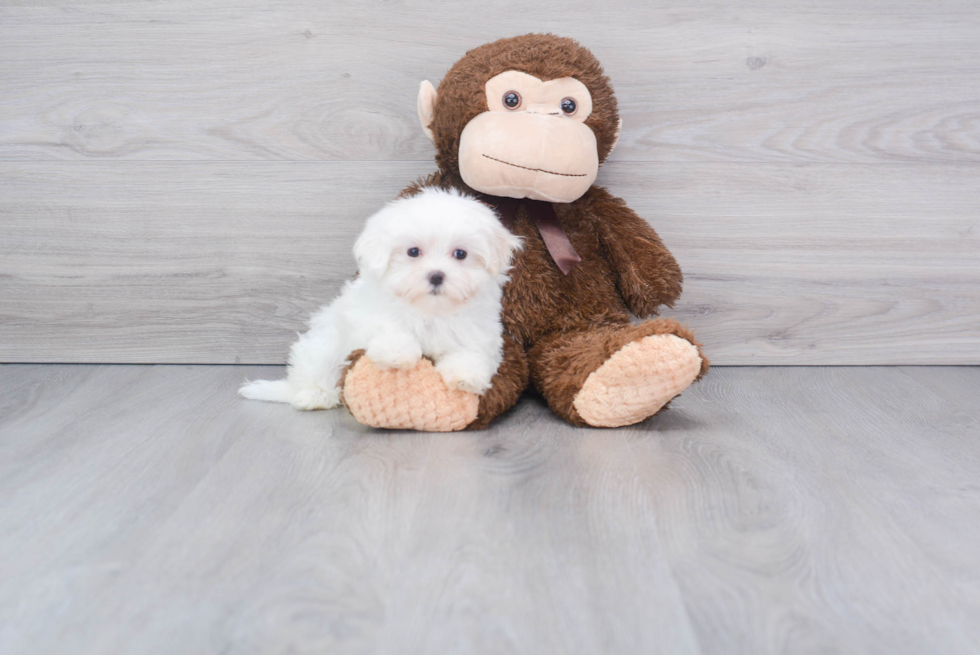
{"x": 431, "y": 272}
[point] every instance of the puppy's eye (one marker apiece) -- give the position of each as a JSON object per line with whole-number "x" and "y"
{"x": 459, "y": 254}
{"x": 568, "y": 105}
{"x": 414, "y": 252}
{"x": 512, "y": 100}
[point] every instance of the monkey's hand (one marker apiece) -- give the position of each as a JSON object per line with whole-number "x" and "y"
{"x": 648, "y": 275}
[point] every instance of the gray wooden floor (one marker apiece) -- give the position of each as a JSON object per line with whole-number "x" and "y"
{"x": 146, "y": 509}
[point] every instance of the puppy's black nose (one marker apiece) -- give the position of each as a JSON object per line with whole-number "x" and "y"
{"x": 437, "y": 278}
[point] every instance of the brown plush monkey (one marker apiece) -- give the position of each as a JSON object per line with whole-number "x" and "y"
{"x": 525, "y": 123}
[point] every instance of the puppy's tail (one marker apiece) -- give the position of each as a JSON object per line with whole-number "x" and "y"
{"x": 276, "y": 391}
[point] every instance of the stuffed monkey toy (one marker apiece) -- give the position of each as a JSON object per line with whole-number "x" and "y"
{"x": 524, "y": 124}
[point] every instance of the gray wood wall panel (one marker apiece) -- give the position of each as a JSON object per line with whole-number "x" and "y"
{"x": 222, "y": 262}
{"x": 182, "y": 183}
{"x": 312, "y": 81}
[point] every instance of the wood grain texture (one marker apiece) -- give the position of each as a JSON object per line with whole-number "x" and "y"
{"x": 222, "y": 263}
{"x": 182, "y": 183}
{"x": 826, "y": 481}
{"x": 305, "y": 80}
{"x": 147, "y": 509}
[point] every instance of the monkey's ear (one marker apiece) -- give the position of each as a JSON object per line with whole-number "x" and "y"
{"x": 427, "y": 103}
{"x": 619, "y": 129}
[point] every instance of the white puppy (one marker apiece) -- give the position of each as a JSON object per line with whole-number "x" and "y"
{"x": 431, "y": 272}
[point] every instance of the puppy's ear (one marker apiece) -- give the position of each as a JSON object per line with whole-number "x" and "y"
{"x": 372, "y": 250}
{"x": 503, "y": 244}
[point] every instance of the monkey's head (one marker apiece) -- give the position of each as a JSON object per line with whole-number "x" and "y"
{"x": 527, "y": 117}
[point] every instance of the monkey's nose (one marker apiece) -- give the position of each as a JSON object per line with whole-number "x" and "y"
{"x": 437, "y": 278}
{"x": 542, "y": 108}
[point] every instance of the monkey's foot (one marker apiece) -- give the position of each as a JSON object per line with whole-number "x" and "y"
{"x": 637, "y": 381}
{"x": 410, "y": 399}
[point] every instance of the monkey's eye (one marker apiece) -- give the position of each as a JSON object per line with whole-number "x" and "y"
{"x": 512, "y": 100}
{"x": 414, "y": 252}
{"x": 568, "y": 105}
{"x": 459, "y": 254}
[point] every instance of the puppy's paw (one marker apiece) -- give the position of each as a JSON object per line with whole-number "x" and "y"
{"x": 395, "y": 352}
{"x": 310, "y": 398}
{"x": 465, "y": 372}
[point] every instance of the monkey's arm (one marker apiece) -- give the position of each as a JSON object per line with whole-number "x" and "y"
{"x": 648, "y": 275}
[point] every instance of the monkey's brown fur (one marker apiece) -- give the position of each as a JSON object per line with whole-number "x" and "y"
{"x": 462, "y": 96}
{"x": 559, "y": 329}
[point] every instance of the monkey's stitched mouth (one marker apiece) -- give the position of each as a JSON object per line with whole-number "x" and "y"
{"x": 536, "y": 170}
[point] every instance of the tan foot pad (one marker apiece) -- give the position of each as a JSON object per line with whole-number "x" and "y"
{"x": 413, "y": 399}
{"x": 637, "y": 381}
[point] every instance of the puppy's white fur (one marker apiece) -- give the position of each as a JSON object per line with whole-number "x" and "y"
{"x": 395, "y": 312}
